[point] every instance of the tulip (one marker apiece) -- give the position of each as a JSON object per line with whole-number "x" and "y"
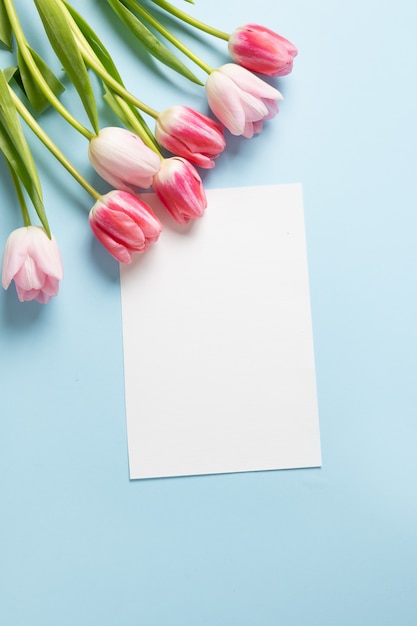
{"x": 190, "y": 134}
{"x": 179, "y": 187}
{"x": 241, "y": 100}
{"x": 262, "y": 50}
{"x": 124, "y": 224}
{"x": 123, "y": 159}
{"x": 34, "y": 262}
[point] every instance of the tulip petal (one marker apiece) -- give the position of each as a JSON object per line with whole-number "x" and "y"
{"x": 123, "y": 224}
{"x": 33, "y": 261}
{"x": 250, "y": 83}
{"x": 180, "y": 189}
{"x": 254, "y": 108}
{"x": 224, "y": 98}
{"x": 121, "y": 228}
{"x": 46, "y": 253}
{"x": 29, "y": 276}
{"x": 16, "y": 252}
{"x": 261, "y": 50}
{"x": 272, "y": 107}
{"x": 123, "y": 159}
{"x": 116, "y": 249}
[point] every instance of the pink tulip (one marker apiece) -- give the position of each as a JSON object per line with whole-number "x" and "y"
{"x": 179, "y": 187}
{"x": 33, "y": 261}
{"x": 241, "y": 100}
{"x": 123, "y": 159}
{"x": 261, "y": 50}
{"x": 190, "y": 134}
{"x": 124, "y": 224}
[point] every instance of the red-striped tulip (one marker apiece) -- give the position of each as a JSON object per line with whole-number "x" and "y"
{"x": 34, "y": 262}
{"x": 179, "y": 187}
{"x": 124, "y": 224}
{"x": 261, "y": 50}
{"x": 241, "y": 100}
{"x": 123, "y": 159}
{"x": 190, "y": 134}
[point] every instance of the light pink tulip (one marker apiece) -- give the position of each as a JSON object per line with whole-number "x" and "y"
{"x": 34, "y": 262}
{"x": 241, "y": 100}
{"x": 190, "y": 134}
{"x": 123, "y": 159}
{"x": 261, "y": 50}
{"x": 179, "y": 187}
{"x": 124, "y": 224}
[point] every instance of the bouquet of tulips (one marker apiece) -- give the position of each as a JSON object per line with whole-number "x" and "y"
{"x": 130, "y": 156}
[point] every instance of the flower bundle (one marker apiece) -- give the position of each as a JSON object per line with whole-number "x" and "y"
{"x": 129, "y": 156}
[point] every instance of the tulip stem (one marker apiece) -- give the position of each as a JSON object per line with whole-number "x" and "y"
{"x": 188, "y": 19}
{"x": 52, "y": 147}
{"x": 20, "y": 196}
{"x": 37, "y": 74}
{"x": 94, "y": 62}
{"x": 168, "y": 35}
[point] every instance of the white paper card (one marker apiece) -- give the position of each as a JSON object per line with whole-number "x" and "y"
{"x": 218, "y": 346}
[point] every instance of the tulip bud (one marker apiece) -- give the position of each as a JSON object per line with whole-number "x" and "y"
{"x": 123, "y": 159}
{"x": 261, "y": 50}
{"x": 190, "y": 134}
{"x": 179, "y": 187}
{"x": 124, "y": 224}
{"x": 241, "y": 100}
{"x": 34, "y": 262}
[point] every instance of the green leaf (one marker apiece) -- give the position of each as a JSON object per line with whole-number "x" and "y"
{"x": 19, "y": 167}
{"x": 11, "y": 123}
{"x": 14, "y": 146}
{"x": 30, "y": 86}
{"x": 96, "y": 44}
{"x": 63, "y": 42}
{"x": 10, "y": 72}
{"x": 5, "y": 27}
{"x": 151, "y": 42}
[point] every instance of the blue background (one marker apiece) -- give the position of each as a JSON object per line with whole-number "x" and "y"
{"x": 80, "y": 544}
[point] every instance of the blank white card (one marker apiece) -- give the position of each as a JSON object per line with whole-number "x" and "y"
{"x": 218, "y": 345}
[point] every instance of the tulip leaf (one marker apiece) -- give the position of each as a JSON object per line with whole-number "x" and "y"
{"x": 25, "y": 176}
{"x": 150, "y": 41}
{"x": 15, "y": 148}
{"x": 94, "y": 42}
{"x": 11, "y": 123}
{"x": 31, "y": 87}
{"x": 5, "y": 27}
{"x": 10, "y": 72}
{"x": 63, "y": 42}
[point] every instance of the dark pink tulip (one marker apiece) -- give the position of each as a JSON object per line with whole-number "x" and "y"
{"x": 190, "y": 134}
{"x": 179, "y": 187}
{"x": 261, "y": 50}
{"x": 124, "y": 224}
{"x": 33, "y": 261}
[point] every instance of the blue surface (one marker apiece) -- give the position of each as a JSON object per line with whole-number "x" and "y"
{"x": 82, "y": 545}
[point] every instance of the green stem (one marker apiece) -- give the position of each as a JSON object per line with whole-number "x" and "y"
{"x": 94, "y": 62}
{"x": 52, "y": 147}
{"x": 188, "y": 19}
{"x": 168, "y": 35}
{"x": 36, "y": 73}
{"x": 20, "y": 196}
